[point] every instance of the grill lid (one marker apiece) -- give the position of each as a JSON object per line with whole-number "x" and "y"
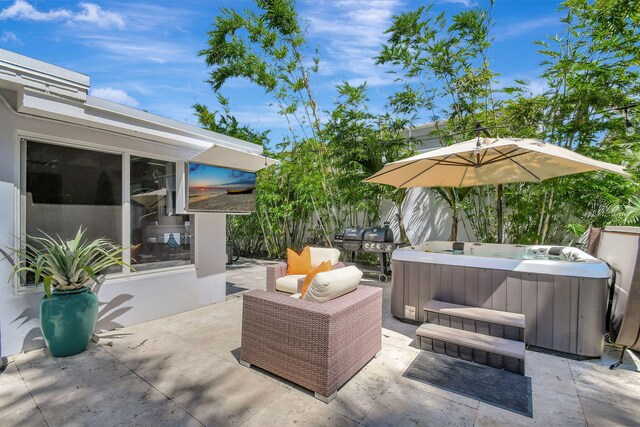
{"x": 378, "y": 234}
{"x": 353, "y": 233}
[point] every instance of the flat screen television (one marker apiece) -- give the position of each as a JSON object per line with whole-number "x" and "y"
{"x": 219, "y": 189}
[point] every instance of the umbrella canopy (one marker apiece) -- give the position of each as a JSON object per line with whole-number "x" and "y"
{"x": 483, "y": 161}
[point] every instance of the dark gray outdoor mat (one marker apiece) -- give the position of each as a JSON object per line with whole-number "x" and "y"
{"x": 489, "y": 385}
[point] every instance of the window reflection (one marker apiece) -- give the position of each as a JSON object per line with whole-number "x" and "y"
{"x": 69, "y": 187}
{"x": 159, "y": 237}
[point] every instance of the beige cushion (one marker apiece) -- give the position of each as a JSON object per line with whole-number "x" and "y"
{"x": 320, "y": 255}
{"x": 332, "y": 284}
{"x": 288, "y": 284}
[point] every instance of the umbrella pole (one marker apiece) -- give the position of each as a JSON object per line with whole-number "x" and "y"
{"x": 499, "y": 210}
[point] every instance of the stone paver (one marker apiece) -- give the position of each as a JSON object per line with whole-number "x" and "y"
{"x": 298, "y": 407}
{"x": 17, "y": 407}
{"x": 9, "y": 373}
{"x": 408, "y": 403}
{"x": 607, "y": 397}
{"x": 183, "y": 370}
{"x": 230, "y": 395}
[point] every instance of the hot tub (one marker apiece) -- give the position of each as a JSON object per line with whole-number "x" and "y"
{"x": 562, "y": 291}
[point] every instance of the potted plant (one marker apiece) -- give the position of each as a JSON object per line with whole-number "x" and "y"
{"x": 67, "y": 269}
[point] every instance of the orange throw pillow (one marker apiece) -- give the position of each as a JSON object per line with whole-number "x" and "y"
{"x": 324, "y": 266}
{"x": 299, "y": 264}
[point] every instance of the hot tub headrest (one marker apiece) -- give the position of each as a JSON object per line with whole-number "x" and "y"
{"x": 458, "y": 246}
{"x": 555, "y": 251}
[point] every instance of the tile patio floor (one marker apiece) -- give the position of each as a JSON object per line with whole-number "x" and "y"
{"x": 183, "y": 370}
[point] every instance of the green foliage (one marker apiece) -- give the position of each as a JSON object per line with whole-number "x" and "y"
{"x": 631, "y": 211}
{"x": 249, "y": 233}
{"x": 322, "y": 165}
{"x": 65, "y": 264}
{"x": 360, "y": 143}
{"x": 442, "y": 68}
{"x": 479, "y": 206}
{"x": 625, "y": 214}
{"x": 224, "y": 122}
{"x": 285, "y": 192}
{"x": 435, "y": 59}
{"x": 266, "y": 45}
{"x": 590, "y": 68}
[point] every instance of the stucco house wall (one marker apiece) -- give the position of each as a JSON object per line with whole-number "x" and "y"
{"x": 49, "y": 104}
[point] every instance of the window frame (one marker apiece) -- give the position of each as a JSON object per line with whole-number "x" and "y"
{"x": 128, "y": 199}
{"x": 20, "y": 180}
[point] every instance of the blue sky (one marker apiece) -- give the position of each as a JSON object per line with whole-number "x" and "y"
{"x": 205, "y": 175}
{"x": 145, "y": 54}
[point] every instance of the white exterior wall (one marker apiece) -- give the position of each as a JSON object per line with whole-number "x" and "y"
{"x": 124, "y": 300}
{"x": 426, "y": 219}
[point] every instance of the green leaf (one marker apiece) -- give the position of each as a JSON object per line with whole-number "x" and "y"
{"x": 47, "y": 286}
{"x": 91, "y": 273}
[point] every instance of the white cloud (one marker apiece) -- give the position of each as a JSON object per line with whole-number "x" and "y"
{"x": 9, "y": 37}
{"x": 22, "y": 10}
{"x": 537, "y": 86}
{"x": 89, "y": 13}
{"x": 524, "y": 27}
{"x": 140, "y": 88}
{"x": 465, "y": 3}
{"x": 142, "y": 48}
{"x": 259, "y": 116}
{"x": 150, "y": 16}
{"x": 115, "y": 95}
{"x": 352, "y": 34}
{"x": 371, "y": 81}
{"x": 92, "y": 13}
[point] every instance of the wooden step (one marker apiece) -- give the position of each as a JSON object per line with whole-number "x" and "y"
{"x": 488, "y": 343}
{"x": 504, "y": 318}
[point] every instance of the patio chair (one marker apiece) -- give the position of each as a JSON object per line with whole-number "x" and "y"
{"x": 279, "y": 281}
{"x": 319, "y": 346}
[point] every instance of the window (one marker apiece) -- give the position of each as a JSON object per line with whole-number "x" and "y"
{"x": 159, "y": 237}
{"x": 69, "y": 187}
{"x": 65, "y": 187}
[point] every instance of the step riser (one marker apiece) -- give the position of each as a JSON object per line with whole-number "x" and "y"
{"x": 480, "y": 327}
{"x": 509, "y": 364}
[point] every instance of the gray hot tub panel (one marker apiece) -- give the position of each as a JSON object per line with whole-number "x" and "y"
{"x": 562, "y": 313}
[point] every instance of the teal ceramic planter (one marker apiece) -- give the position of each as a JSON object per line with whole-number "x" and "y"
{"x": 67, "y": 320}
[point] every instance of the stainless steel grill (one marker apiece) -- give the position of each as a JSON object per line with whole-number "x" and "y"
{"x": 378, "y": 240}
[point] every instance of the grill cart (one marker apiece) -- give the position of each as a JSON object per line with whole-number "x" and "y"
{"x": 379, "y": 240}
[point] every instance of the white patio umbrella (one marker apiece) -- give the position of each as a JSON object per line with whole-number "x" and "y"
{"x": 484, "y": 161}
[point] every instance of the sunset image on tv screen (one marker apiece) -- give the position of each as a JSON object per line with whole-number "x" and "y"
{"x": 214, "y": 188}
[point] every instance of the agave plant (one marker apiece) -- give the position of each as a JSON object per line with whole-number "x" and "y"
{"x": 66, "y": 264}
